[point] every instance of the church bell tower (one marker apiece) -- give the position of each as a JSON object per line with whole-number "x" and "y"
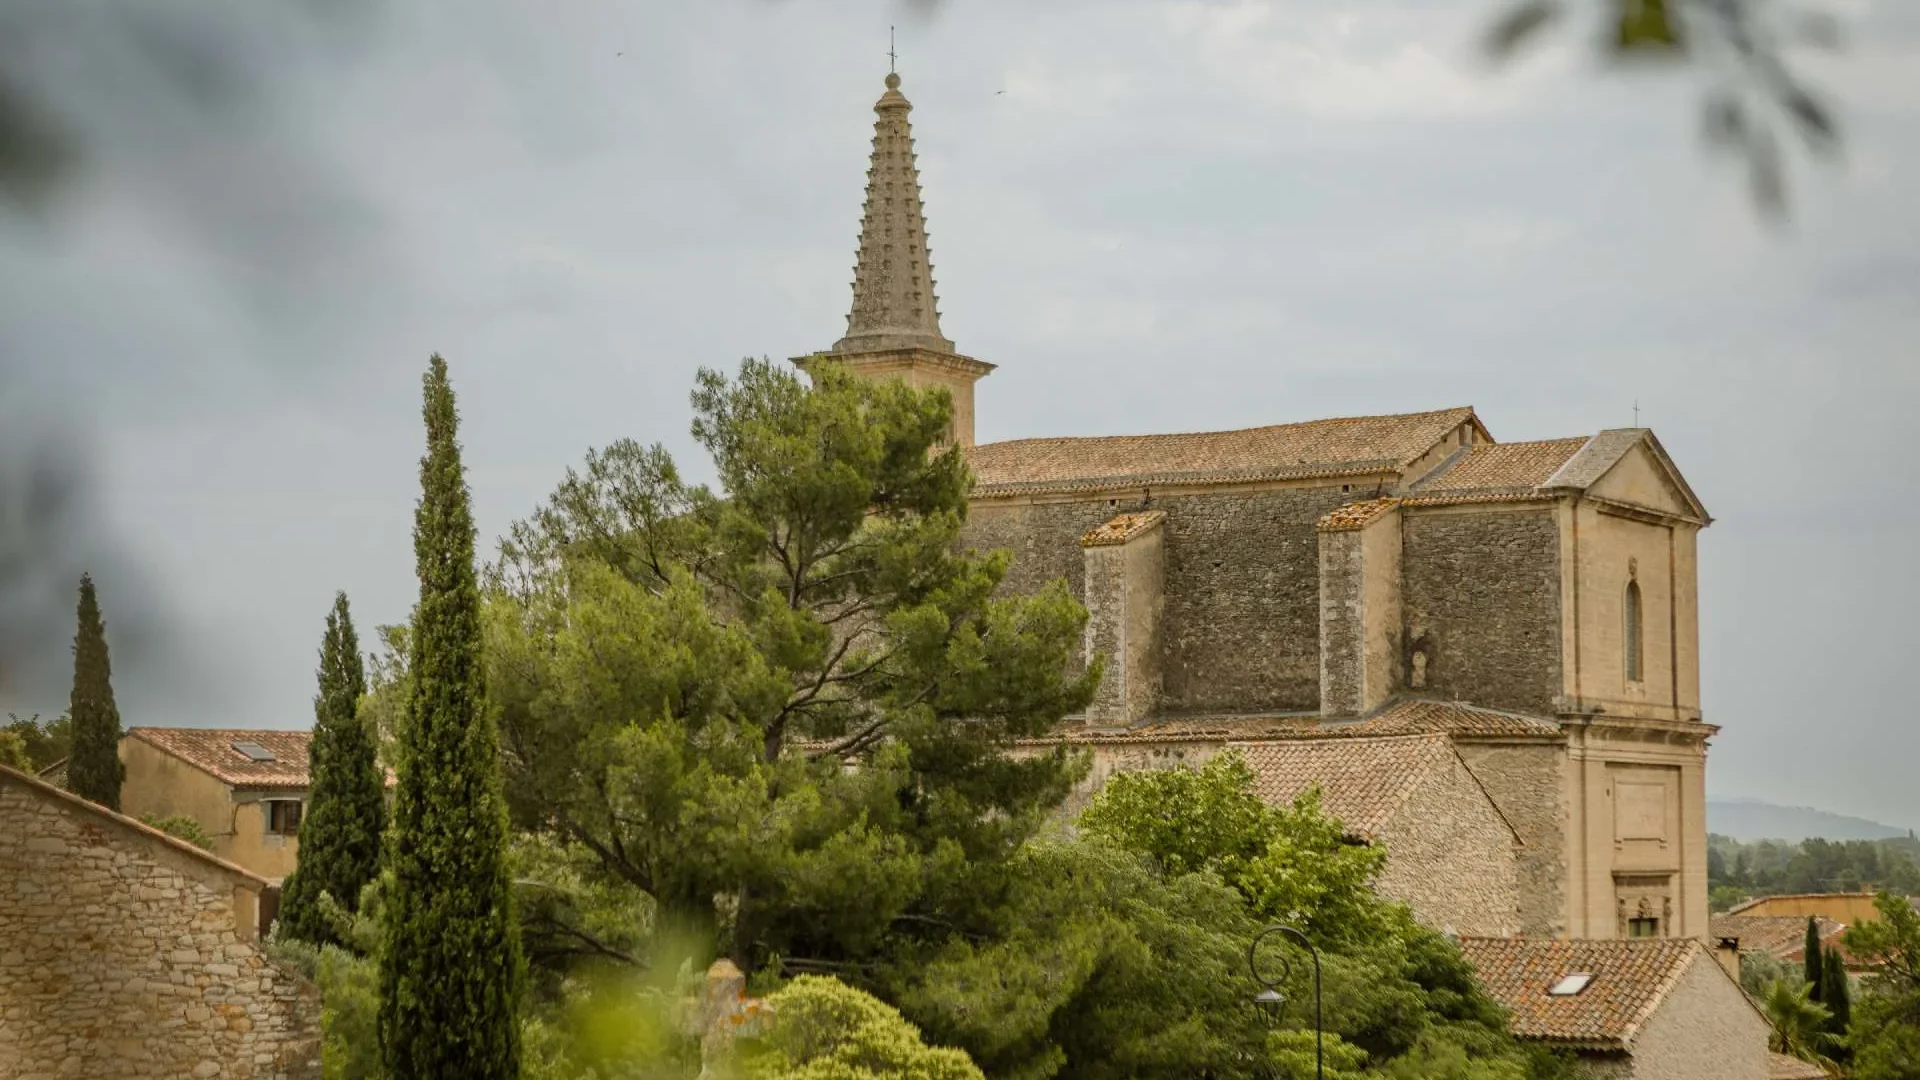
{"x": 893, "y": 330}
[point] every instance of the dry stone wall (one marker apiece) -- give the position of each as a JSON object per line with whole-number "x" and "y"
{"x": 121, "y": 956}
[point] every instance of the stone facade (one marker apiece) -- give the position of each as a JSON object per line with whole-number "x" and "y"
{"x": 1360, "y": 613}
{"x": 1242, "y": 608}
{"x": 1451, "y": 857}
{"x": 1704, "y": 1029}
{"x": 1126, "y": 595}
{"x": 1528, "y": 781}
{"x": 1482, "y": 606}
{"x": 126, "y": 953}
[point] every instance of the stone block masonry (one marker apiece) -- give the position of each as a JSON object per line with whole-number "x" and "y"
{"x": 1481, "y": 598}
{"x": 124, "y": 953}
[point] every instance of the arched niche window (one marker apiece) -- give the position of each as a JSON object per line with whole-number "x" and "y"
{"x": 1635, "y": 670}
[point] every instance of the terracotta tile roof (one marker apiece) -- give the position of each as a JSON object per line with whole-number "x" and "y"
{"x": 1783, "y": 936}
{"x": 1362, "y": 782}
{"x": 1405, "y": 716}
{"x": 1338, "y": 447}
{"x": 1630, "y": 978}
{"x": 1501, "y": 467}
{"x": 1355, "y": 516}
{"x": 1122, "y": 529}
{"x": 1195, "y": 729}
{"x": 1782, "y": 1067}
{"x": 211, "y": 751}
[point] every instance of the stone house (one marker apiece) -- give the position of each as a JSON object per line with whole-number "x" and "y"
{"x": 125, "y": 952}
{"x": 247, "y": 789}
{"x": 1317, "y": 576}
{"x": 1645, "y": 1010}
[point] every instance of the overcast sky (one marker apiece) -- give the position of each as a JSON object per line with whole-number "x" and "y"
{"x": 1154, "y": 216}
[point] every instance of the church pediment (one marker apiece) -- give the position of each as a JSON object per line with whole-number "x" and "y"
{"x": 1636, "y": 472}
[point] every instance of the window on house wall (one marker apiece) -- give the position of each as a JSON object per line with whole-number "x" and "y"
{"x": 1632, "y": 635}
{"x": 1643, "y": 927}
{"x": 283, "y": 817}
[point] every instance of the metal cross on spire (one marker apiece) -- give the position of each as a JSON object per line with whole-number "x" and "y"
{"x": 1636, "y": 412}
{"x": 891, "y": 55}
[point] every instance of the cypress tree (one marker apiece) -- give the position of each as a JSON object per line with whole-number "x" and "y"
{"x": 93, "y": 768}
{"x": 346, "y": 812}
{"x": 1811, "y": 956}
{"x": 450, "y": 967}
{"x": 1839, "y": 995}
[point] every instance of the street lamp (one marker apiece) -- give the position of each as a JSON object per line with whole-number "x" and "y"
{"x": 1271, "y": 999}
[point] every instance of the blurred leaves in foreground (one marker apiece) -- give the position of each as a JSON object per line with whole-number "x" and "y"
{"x": 1738, "y": 46}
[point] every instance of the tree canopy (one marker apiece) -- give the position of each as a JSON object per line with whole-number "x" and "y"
{"x": 794, "y": 694}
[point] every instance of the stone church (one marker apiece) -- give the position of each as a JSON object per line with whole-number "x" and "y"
{"x": 1484, "y": 654}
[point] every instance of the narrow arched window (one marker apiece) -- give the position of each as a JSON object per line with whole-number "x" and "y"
{"x": 1632, "y": 636}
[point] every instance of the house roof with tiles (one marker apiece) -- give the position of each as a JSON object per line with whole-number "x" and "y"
{"x": 1346, "y": 446}
{"x": 246, "y": 759}
{"x": 1627, "y": 981}
{"x": 1362, "y": 782}
{"x": 1782, "y": 936}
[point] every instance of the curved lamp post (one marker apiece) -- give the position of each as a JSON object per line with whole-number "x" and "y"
{"x": 1271, "y": 999}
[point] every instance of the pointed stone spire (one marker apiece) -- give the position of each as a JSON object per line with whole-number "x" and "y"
{"x": 894, "y": 306}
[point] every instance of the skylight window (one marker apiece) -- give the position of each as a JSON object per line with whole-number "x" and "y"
{"x": 254, "y": 751}
{"x": 1570, "y": 985}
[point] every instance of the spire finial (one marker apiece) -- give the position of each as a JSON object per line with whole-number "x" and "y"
{"x": 891, "y": 57}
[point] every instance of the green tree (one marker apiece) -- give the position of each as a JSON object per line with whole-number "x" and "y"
{"x": 1811, "y": 964}
{"x": 796, "y": 695}
{"x": 450, "y": 967}
{"x": 1799, "y": 1022}
{"x": 1400, "y": 999}
{"x": 1836, "y": 993}
{"x": 44, "y": 742}
{"x": 823, "y": 1029}
{"x": 13, "y": 751}
{"x": 1884, "y": 1036}
{"x": 94, "y": 770}
{"x": 340, "y": 848}
{"x": 1288, "y": 862}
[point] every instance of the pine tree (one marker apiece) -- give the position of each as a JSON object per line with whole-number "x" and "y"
{"x": 1814, "y": 967}
{"x": 450, "y": 970}
{"x": 1838, "y": 994}
{"x": 94, "y": 770}
{"x": 340, "y": 841}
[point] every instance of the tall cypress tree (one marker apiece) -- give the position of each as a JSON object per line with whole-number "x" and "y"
{"x": 1838, "y": 994}
{"x": 1814, "y": 967}
{"x": 340, "y": 840}
{"x": 93, "y": 768}
{"x": 450, "y": 967}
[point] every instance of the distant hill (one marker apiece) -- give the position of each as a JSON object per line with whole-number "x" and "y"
{"x": 1752, "y": 819}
